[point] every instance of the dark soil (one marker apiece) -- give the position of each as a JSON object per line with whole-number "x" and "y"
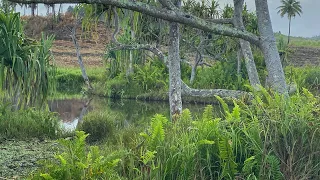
{"x": 304, "y": 56}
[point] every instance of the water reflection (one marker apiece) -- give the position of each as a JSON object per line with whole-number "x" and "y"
{"x": 71, "y": 111}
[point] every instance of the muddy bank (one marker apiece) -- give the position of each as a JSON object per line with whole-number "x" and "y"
{"x": 19, "y": 158}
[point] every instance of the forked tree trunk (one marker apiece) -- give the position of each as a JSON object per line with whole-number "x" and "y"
{"x": 245, "y": 47}
{"x": 269, "y": 48}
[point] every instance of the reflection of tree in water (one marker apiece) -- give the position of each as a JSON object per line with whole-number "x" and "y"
{"x": 127, "y": 111}
{"x": 71, "y": 111}
{"x": 68, "y": 109}
{"x": 136, "y": 111}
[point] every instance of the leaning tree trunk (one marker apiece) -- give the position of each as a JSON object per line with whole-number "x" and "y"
{"x": 269, "y": 48}
{"x": 83, "y": 70}
{"x": 175, "y": 100}
{"x": 245, "y": 46}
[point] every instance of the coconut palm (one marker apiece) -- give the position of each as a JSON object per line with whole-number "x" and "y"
{"x": 291, "y": 8}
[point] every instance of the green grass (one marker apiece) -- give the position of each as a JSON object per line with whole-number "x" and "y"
{"x": 299, "y": 41}
{"x": 29, "y": 123}
{"x": 70, "y": 80}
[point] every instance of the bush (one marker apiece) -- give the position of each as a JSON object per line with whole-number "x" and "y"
{"x": 304, "y": 77}
{"x": 29, "y": 123}
{"x": 77, "y": 163}
{"x": 273, "y": 138}
{"x": 99, "y": 125}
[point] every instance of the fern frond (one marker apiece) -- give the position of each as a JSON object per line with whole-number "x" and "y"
{"x": 207, "y": 114}
{"x": 227, "y": 158}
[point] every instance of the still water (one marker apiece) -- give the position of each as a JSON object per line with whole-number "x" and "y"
{"x": 71, "y": 111}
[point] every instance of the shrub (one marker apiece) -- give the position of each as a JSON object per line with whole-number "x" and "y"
{"x": 304, "y": 77}
{"x": 75, "y": 162}
{"x": 99, "y": 125}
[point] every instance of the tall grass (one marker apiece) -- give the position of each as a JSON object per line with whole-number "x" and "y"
{"x": 28, "y": 123}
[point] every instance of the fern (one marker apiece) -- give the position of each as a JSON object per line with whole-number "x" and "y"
{"x": 76, "y": 163}
{"x": 207, "y": 114}
{"x": 274, "y": 168}
{"x": 226, "y": 156}
{"x": 224, "y": 106}
{"x": 248, "y": 166}
{"x": 186, "y": 115}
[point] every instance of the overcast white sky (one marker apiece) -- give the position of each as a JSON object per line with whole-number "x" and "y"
{"x": 307, "y": 25}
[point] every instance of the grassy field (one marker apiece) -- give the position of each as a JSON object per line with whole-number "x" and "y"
{"x": 299, "y": 41}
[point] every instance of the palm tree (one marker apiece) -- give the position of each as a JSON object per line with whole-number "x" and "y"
{"x": 291, "y": 8}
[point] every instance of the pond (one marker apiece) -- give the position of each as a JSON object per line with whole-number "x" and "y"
{"x": 71, "y": 111}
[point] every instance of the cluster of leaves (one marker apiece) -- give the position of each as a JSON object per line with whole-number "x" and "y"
{"x": 25, "y": 67}
{"x": 221, "y": 75}
{"x": 151, "y": 77}
{"x": 77, "y": 163}
{"x": 308, "y": 77}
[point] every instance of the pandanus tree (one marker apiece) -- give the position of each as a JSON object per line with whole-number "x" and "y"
{"x": 26, "y": 77}
{"x": 291, "y": 8}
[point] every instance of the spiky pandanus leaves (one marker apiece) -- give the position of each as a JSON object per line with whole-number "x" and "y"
{"x": 26, "y": 75}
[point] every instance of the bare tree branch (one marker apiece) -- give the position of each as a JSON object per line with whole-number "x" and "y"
{"x": 116, "y": 24}
{"x": 163, "y": 13}
{"x": 224, "y": 93}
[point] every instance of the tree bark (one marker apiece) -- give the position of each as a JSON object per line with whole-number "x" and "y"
{"x": 224, "y": 93}
{"x": 33, "y": 8}
{"x": 238, "y": 62}
{"x": 289, "y": 29}
{"x": 175, "y": 100}
{"x": 245, "y": 46}
{"x": 83, "y": 70}
{"x": 130, "y": 68}
{"x": 269, "y": 48}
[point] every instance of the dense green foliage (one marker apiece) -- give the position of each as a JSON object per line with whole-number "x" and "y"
{"x": 70, "y": 80}
{"x": 308, "y": 77}
{"x": 265, "y": 140}
{"x": 26, "y": 75}
{"x": 78, "y": 163}
{"x": 28, "y": 123}
{"x": 99, "y": 125}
